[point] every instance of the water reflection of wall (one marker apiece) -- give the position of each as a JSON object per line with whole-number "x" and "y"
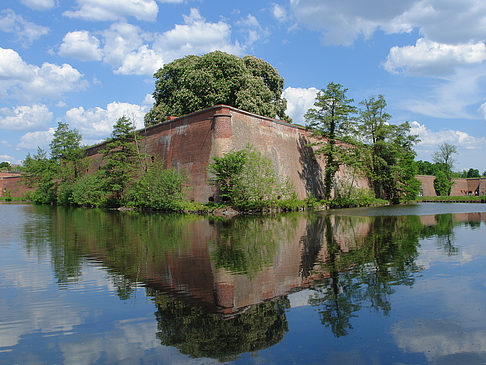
{"x": 227, "y": 266}
{"x": 238, "y": 272}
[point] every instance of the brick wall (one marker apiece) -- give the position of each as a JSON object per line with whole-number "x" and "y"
{"x": 192, "y": 141}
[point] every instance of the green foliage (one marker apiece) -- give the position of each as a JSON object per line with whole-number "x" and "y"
{"x": 227, "y": 171}
{"x": 192, "y": 83}
{"x": 88, "y": 191}
{"x": 472, "y": 173}
{"x": 427, "y": 168}
{"x": 442, "y": 184}
{"x": 388, "y": 153}
{"x": 453, "y": 199}
{"x": 248, "y": 180}
{"x": 120, "y": 161}
{"x": 41, "y": 173}
{"x": 331, "y": 119}
{"x": 65, "y": 144}
{"x": 159, "y": 188}
{"x": 5, "y": 166}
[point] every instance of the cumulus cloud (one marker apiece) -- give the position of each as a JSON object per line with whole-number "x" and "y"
{"x": 98, "y": 122}
{"x": 23, "y": 81}
{"x": 299, "y": 100}
{"x": 279, "y": 12}
{"x": 39, "y": 4}
{"x": 195, "y": 36}
{"x": 25, "y": 31}
{"x": 433, "y": 139}
{"x": 433, "y": 58}
{"x": 344, "y": 21}
{"x": 33, "y": 140}
{"x": 131, "y": 51}
{"x": 113, "y": 10}
{"x": 81, "y": 45}
{"x": 25, "y": 117}
{"x": 143, "y": 61}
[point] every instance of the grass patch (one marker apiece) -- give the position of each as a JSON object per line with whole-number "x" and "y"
{"x": 453, "y": 199}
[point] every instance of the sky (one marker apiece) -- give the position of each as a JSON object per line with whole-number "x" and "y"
{"x": 89, "y": 62}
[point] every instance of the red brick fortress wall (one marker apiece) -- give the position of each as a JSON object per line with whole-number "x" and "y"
{"x": 192, "y": 141}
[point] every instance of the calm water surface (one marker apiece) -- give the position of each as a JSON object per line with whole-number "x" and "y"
{"x": 374, "y": 286}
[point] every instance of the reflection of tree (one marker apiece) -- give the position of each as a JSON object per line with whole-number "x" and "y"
{"x": 128, "y": 244}
{"x": 247, "y": 244}
{"x": 365, "y": 275}
{"x": 198, "y": 333}
{"x": 312, "y": 243}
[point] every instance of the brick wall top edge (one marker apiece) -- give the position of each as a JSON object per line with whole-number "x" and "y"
{"x": 219, "y": 109}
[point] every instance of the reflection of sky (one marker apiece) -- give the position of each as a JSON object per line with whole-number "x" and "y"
{"x": 77, "y": 324}
{"x": 448, "y": 302}
{"x": 441, "y": 341}
{"x": 441, "y": 316}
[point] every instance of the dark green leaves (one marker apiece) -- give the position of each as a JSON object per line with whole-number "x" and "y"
{"x": 192, "y": 83}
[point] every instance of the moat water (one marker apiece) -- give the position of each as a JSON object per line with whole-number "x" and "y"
{"x": 402, "y": 285}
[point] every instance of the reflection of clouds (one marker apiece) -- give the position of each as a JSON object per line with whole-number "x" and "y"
{"x": 301, "y": 298}
{"x": 28, "y": 312}
{"x": 440, "y": 340}
{"x": 458, "y": 296}
{"x": 469, "y": 242}
{"x": 128, "y": 342}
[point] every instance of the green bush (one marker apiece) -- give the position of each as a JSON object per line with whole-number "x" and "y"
{"x": 248, "y": 180}
{"x": 161, "y": 189}
{"x": 64, "y": 193}
{"x": 88, "y": 191}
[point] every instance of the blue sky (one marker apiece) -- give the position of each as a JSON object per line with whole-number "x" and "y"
{"x": 88, "y": 62}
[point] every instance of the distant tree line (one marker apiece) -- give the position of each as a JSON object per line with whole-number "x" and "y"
{"x": 441, "y": 168}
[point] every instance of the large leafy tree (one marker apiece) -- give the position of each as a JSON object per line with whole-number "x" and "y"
{"x": 331, "y": 119}
{"x": 387, "y": 151}
{"x": 195, "y": 82}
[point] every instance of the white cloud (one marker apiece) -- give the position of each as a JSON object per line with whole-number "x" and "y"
{"x": 433, "y": 139}
{"x": 121, "y": 39}
{"x": 482, "y": 110}
{"x": 344, "y": 21}
{"x": 299, "y": 100}
{"x": 24, "y": 30}
{"x": 7, "y": 158}
{"x": 98, "y": 122}
{"x": 33, "y": 140}
{"x": 113, "y": 10}
{"x": 195, "y": 36}
{"x": 39, "y": 4}
{"x": 131, "y": 51}
{"x": 81, "y": 45}
{"x": 25, "y": 117}
{"x": 450, "y": 97}
{"x": 143, "y": 61}
{"x": 148, "y": 101}
{"x": 251, "y": 26}
{"x": 433, "y": 58}
{"x": 29, "y": 82}
{"x": 279, "y": 12}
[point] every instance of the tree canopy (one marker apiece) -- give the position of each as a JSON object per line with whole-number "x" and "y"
{"x": 196, "y": 82}
{"x": 331, "y": 119}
